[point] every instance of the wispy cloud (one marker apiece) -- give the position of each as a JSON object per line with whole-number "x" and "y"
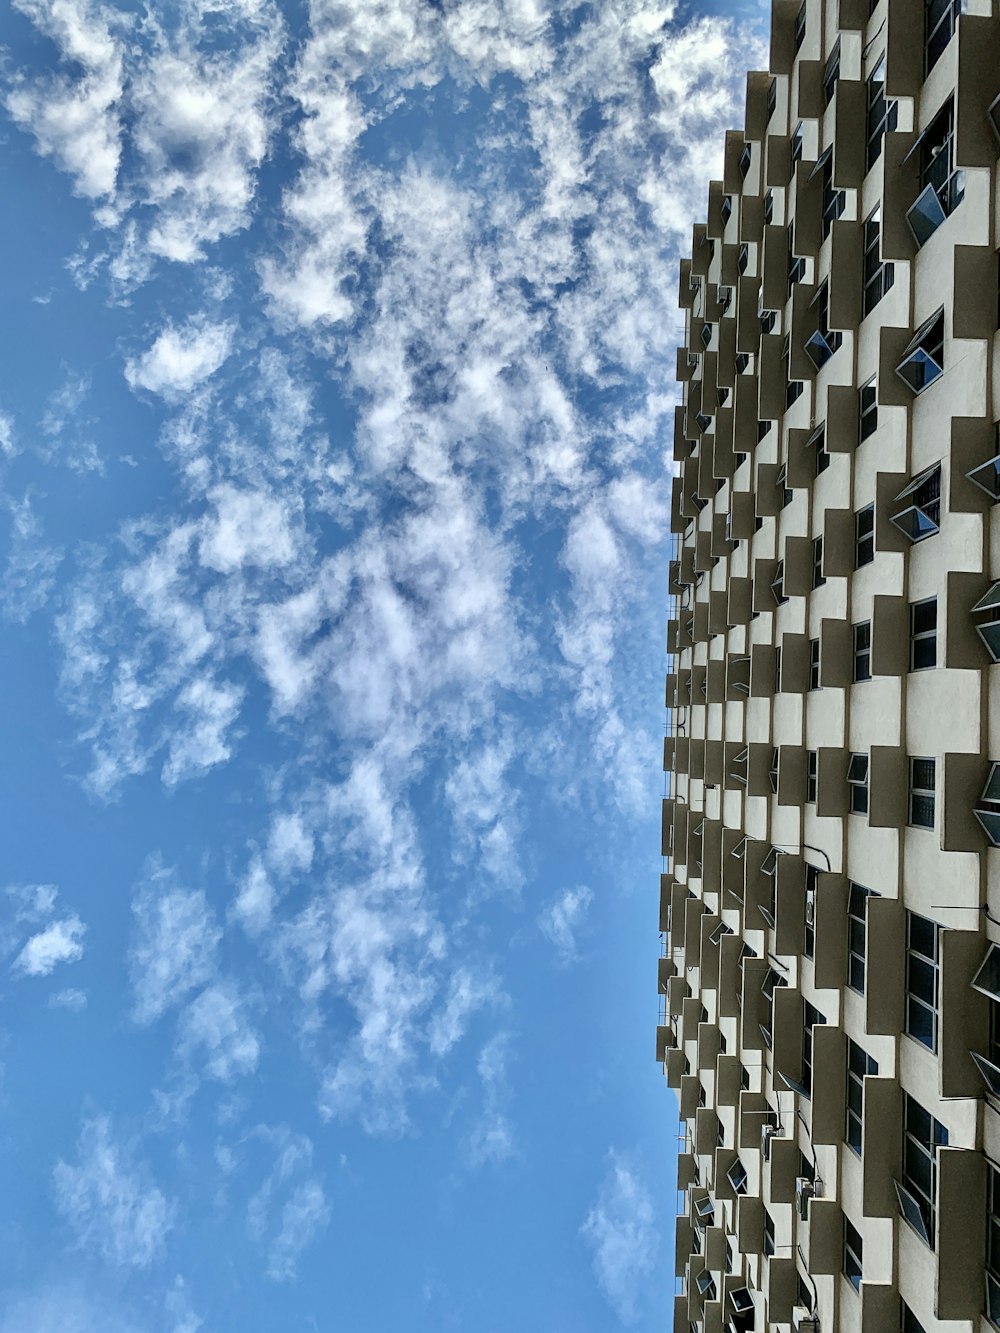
{"x": 561, "y": 920}
{"x": 109, "y": 1200}
{"x": 290, "y": 1208}
{"x": 38, "y": 939}
{"x": 174, "y": 941}
{"x": 491, "y": 1139}
{"x": 620, "y": 1231}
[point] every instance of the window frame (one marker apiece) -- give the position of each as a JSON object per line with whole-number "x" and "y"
{"x": 864, "y": 540}
{"x": 923, "y": 636}
{"x": 861, "y": 652}
{"x": 923, "y": 970}
{"x": 919, "y": 797}
{"x": 857, "y": 935}
{"x": 858, "y": 800}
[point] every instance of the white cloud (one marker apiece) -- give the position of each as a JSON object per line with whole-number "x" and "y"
{"x": 247, "y": 528}
{"x": 215, "y": 1028}
{"x": 290, "y": 1208}
{"x": 29, "y": 576}
{"x": 199, "y": 741}
{"x": 621, "y": 1233}
{"x": 561, "y": 920}
{"x": 74, "y": 118}
{"x": 181, "y": 358}
{"x": 303, "y": 1216}
{"x": 71, "y": 999}
{"x": 60, "y": 942}
{"x": 173, "y": 948}
{"x": 491, "y": 1139}
{"x": 110, "y": 1201}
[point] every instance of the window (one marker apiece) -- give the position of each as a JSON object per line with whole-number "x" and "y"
{"x": 942, "y": 188}
{"x": 726, "y": 211}
{"x": 821, "y": 345}
{"x": 859, "y": 1066}
{"x": 857, "y": 936}
{"x": 771, "y": 983}
{"x": 706, "y": 334}
{"x": 881, "y": 114}
{"x": 867, "y": 410}
{"x": 831, "y": 73}
{"x": 769, "y": 207}
{"x": 834, "y": 200}
{"x": 773, "y": 772}
{"x": 814, "y": 664}
{"x": 818, "y": 576}
{"x": 987, "y": 621}
{"x": 767, "y": 319}
{"x": 705, "y": 1283}
{"x": 777, "y": 670}
{"x": 787, "y": 494}
{"x": 987, "y": 475}
{"x": 793, "y": 388}
{"x": 923, "y": 634}
{"x": 852, "y": 1255}
{"x": 796, "y": 270}
{"x": 737, "y": 1177}
{"x": 778, "y": 585}
{"x": 878, "y": 277}
{"x": 746, "y": 157}
{"x": 818, "y": 442}
{"x": 810, "y": 1017}
{"x": 910, "y": 1322}
{"x": 857, "y": 777}
{"x": 809, "y": 936}
{"x": 987, "y": 810}
{"x": 993, "y": 1247}
{"x": 811, "y": 776}
{"x": 918, "y": 1196}
{"x": 800, "y": 26}
{"x": 742, "y": 362}
{"x": 921, "y": 516}
{"x": 743, "y": 258}
{"x": 769, "y": 867}
{"x": 921, "y": 813}
{"x": 923, "y": 952}
{"x": 864, "y": 536}
{"x": 768, "y": 1234}
{"x": 762, "y": 429}
{"x": 923, "y": 360}
{"x": 862, "y": 634}
{"x": 940, "y": 20}
{"x": 772, "y": 98}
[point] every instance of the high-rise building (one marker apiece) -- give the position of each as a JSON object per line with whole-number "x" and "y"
{"x": 830, "y": 903}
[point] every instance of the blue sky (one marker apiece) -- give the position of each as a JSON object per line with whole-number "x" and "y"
{"x": 335, "y": 405}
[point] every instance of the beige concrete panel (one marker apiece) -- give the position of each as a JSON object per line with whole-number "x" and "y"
{"x": 829, "y": 1090}
{"x": 885, "y": 964}
{"x": 830, "y": 963}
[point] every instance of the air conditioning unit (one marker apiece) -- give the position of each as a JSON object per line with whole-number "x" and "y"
{"x": 767, "y": 1133}
{"x": 804, "y": 1191}
{"x": 810, "y": 907}
{"x": 803, "y": 1321}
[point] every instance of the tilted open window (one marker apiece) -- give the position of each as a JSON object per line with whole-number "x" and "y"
{"x": 923, "y": 359}
{"x": 987, "y": 810}
{"x": 987, "y": 475}
{"x": 920, "y": 516}
{"x": 987, "y": 623}
{"x": 942, "y": 187}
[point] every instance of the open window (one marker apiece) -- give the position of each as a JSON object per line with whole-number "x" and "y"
{"x": 739, "y": 766}
{"x": 920, "y": 516}
{"x": 737, "y": 1177}
{"x": 987, "y": 810}
{"x": 778, "y": 584}
{"x": 857, "y": 778}
{"x": 821, "y": 345}
{"x": 923, "y": 359}
{"x": 987, "y": 982}
{"x": 987, "y": 475}
{"x": 726, "y": 210}
{"x": 942, "y": 187}
{"x": 986, "y": 613}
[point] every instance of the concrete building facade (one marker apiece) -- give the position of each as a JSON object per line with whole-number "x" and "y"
{"x": 830, "y": 901}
